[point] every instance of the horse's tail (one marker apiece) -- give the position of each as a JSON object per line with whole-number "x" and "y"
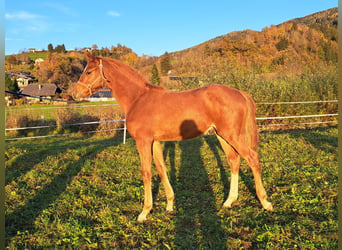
{"x": 251, "y": 128}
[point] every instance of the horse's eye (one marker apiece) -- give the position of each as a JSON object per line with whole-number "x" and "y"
{"x": 88, "y": 73}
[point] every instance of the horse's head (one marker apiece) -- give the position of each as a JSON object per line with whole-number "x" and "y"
{"x": 91, "y": 80}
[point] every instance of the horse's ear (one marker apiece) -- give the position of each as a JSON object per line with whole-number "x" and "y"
{"x": 89, "y": 56}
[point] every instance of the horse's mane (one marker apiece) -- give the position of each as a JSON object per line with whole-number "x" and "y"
{"x": 127, "y": 70}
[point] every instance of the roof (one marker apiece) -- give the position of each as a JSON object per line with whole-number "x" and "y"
{"x": 183, "y": 78}
{"x": 104, "y": 92}
{"x": 20, "y": 75}
{"x": 41, "y": 90}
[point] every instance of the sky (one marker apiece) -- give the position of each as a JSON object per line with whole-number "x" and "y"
{"x": 147, "y": 27}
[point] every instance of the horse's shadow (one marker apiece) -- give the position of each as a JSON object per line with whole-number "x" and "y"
{"x": 22, "y": 218}
{"x": 33, "y": 157}
{"x": 196, "y": 220}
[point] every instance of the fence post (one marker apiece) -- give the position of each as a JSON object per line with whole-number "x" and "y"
{"x": 124, "y": 136}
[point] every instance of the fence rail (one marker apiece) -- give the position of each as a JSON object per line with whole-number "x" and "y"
{"x": 294, "y": 116}
{"x": 303, "y": 102}
{"x": 65, "y": 125}
{"x": 124, "y": 121}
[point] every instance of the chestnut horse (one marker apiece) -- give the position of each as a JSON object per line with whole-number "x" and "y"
{"x": 155, "y": 114}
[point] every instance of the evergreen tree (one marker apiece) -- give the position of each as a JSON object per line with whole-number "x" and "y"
{"x": 50, "y": 47}
{"x": 60, "y": 48}
{"x": 10, "y": 84}
{"x": 165, "y": 64}
{"x": 155, "y": 79}
{"x": 282, "y": 44}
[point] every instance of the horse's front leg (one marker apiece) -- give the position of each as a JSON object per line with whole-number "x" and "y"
{"x": 161, "y": 168}
{"x": 145, "y": 153}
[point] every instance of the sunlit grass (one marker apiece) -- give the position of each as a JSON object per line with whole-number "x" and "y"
{"x": 87, "y": 193}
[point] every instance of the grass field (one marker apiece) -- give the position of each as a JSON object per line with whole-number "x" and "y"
{"x": 57, "y": 118}
{"x": 86, "y": 192}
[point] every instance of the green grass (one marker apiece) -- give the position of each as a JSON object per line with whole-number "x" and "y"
{"x": 86, "y": 192}
{"x": 59, "y": 118}
{"x": 34, "y": 56}
{"x": 55, "y": 106}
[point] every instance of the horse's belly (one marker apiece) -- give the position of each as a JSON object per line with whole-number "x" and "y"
{"x": 180, "y": 129}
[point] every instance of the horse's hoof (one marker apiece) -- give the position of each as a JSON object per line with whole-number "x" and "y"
{"x": 230, "y": 204}
{"x": 170, "y": 212}
{"x": 268, "y": 206}
{"x": 141, "y": 218}
{"x": 226, "y": 206}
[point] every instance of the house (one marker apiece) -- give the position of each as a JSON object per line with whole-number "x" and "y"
{"x": 183, "y": 78}
{"x": 178, "y": 82}
{"x": 41, "y": 90}
{"x": 32, "y": 50}
{"x": 38, "y": 61}
{"x": 85, "y": 50}
{"x": 24, "y": 80}
{"x": 104, "y": 94}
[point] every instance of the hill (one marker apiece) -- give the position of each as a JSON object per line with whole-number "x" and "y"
{"x": 289, "y": 48}
{"x": 327, "y": 17}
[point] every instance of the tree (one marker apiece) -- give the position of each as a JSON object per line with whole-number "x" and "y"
{"x": 10, "y": 84}
{"x": 130, "y": 59}
{"x": 282, "y": 44}
{"x": 12, "y": 59}
{"x": 24, "y": 58}
{"x": 50, "y": 47}
{"x": 94, "y": 47}
{"x": 155, "y": 79}
{"x": 165, "y": 64}
{"x": 60, "y": 49}
{"x": 61, "y": 69}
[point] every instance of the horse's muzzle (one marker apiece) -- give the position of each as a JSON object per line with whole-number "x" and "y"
{"x": 76, "y": 93}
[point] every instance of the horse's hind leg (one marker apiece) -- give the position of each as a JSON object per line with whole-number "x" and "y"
{"x": 160, "y": 165}
{"x": 234, "y": 163}
{"x": 252, "y": 158}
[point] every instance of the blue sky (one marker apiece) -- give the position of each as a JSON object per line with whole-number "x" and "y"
{"x": 148, "y": 27}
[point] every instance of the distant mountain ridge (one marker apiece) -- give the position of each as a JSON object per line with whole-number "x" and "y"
{"x": 329, "y": 16}
{"x": 290, "y": 47}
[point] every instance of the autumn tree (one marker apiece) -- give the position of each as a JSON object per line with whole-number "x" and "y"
{"x": 60, "y": 69}
{"x": 12, "y": 59}
{"x": 131, "y": 59}
{"x": 24, "y": 58}
{"x": 94, "y": 47}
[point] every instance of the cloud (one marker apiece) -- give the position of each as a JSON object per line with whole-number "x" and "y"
{"x": 23, "y": 21}
{"x": 37, "y": 27}
{"x": 21, "y": 15}
{"x": 14, "y": 39}
{"x": 61, "y": 8}
{"x": 113, "y": 13}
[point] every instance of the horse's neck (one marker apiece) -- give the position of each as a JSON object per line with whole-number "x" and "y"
{"x": 126, "y": 92}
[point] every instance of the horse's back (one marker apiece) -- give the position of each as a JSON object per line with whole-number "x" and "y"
{"x": 170, "y": 115}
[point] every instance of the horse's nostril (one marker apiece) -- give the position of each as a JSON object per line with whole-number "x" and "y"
{"x": 73, "y": 95}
